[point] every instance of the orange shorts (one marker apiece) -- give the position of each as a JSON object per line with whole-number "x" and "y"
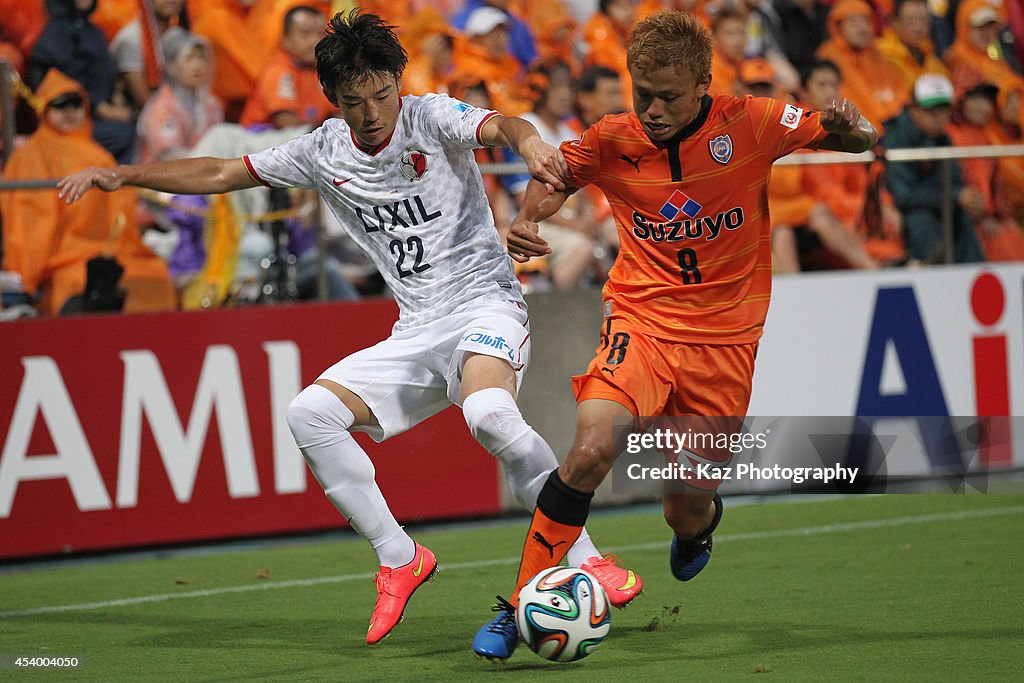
{"x": 654, "y": 378}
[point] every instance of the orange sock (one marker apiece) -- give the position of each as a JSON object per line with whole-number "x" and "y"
{"x": 557, "y": 523}
{"x": 547, "y": 542}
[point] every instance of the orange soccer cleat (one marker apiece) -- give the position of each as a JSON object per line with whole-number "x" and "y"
{"x": 620, "y": 585}
{"x": 394, "y": 588}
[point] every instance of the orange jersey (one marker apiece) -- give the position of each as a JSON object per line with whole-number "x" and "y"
{"x": 694, "y": 262}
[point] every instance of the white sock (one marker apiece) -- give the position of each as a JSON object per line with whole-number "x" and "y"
{"x": 526, "y": 458}
{"x": 319, "y": 422}
{"x": 582, "y": 550}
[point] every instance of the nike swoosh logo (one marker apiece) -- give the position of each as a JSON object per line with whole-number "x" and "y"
{"x": 419, "y": 569}
{"x": 339, "y": 183}
{"x": 371, "y": 625}
{"x": 630, "y": 581}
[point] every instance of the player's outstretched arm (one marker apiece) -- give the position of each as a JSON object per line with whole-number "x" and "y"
{"x": 546, "y": 163}
{"x": 203, "y": 175}
{"x": 848, "y": 130}
{"x": 523, "y": 241}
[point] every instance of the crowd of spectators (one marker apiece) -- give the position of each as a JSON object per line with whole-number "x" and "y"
{"x": 123, "y": 81}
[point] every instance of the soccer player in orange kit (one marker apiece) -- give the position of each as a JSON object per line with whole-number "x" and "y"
{"x": 686, "y": 175}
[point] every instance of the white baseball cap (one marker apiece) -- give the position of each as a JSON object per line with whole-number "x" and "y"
{"x": 984, "y": 15}
{"x": 483, "y": 20}
{"x": 931, "y": 90}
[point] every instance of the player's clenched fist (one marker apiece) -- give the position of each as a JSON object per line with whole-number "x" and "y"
{"x": 72, "y": 187}
{"x": 841, "y": 116}
{"x": 546, "y": 163}
{"x": 523, "y": 241}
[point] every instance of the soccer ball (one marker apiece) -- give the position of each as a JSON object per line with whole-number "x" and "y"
{"x": 563, "y": 614}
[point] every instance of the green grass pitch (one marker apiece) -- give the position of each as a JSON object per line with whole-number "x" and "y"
{"x": 895, "y": 587}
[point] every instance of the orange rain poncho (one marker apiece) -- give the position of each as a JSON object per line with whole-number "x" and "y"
{"x": 239, "y": 59}
{"x": 899, "y": 56}
{"x": 472, "y": 62}
{"x": 868, "y": 79}
{"x": 430, "y": 42}
{"x": 49, "y": 243}
{"x": 1007, "y": 243}
{"x": 607, "y": 48}
{"x": 966, "y": 62}
{"x": 725, "y": 75}
{"x": 113, "y": 15}
{"x": 793, "y": 191}
{"x": 23, "y": 21}
{"x": 1011, "y": 168}
{"x": 697, "y": 8}
{"x": 554, "y": 29}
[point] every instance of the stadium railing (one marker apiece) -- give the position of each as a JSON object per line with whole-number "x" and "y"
{"x": 944, "y": 155}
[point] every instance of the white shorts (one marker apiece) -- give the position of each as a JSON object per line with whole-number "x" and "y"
{"x": 417, "y": 372}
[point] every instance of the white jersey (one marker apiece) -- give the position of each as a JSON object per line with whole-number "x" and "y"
{"x": 416, "y": 206}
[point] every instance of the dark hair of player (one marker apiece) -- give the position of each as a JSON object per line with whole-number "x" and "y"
{"x": 671, "y": 39}
{"x": 357, "y": 46}
{"x": 818, "y": 65}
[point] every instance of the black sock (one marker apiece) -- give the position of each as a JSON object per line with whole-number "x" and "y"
{"x": 562, "y": 503}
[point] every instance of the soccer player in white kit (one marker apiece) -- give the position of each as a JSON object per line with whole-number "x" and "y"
{"x": 400, "y": 176}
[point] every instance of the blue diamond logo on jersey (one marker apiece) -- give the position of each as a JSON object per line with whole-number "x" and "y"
{"x": 721, "y": 148}
{"x": 413, "y": 164}
{"x": 461, "y": 107}
{"x": 680, "y": 203}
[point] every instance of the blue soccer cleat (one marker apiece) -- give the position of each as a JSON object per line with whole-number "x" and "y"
{"x": 689, "y": 556}
{"x": 497, "y": 640}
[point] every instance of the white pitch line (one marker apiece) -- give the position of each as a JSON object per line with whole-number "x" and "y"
{"x": 478, "y": 564}
{"x": 849, "y": 526}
